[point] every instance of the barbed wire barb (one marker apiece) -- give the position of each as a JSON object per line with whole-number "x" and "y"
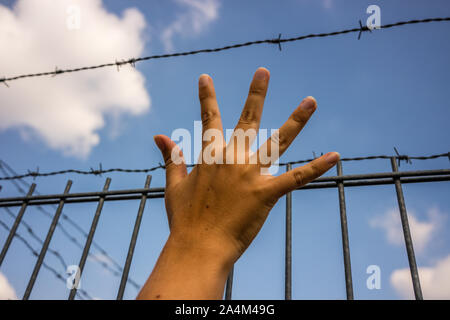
{"x": 119, "y": 64}
{"x": 362, "y": 29}
{"x": 132, "y": 62}
{"x": 403, "y": 157}
{"x": 34, "y": 174}
{"x": 278, "y": 41}
{"x": 56, "y": 72}
{"x": 97, "y": 172}
{"x": 4, "y": 82}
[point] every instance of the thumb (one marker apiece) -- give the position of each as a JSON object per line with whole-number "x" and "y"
{"x": 301, "y": 176}
{"x": 173, "y": 159}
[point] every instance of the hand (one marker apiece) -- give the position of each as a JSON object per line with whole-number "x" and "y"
{"x": 216, "y": 210}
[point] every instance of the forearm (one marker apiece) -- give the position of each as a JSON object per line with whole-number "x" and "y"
{"x": 187, "y": 272}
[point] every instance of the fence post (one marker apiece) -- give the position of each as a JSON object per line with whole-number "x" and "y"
{"x": 44, "y": 249}
{"x": 344, "y": 231}
{"x": 288, "y": 245}
{"x": 229, "y": 285}
{"x": 407, "y": 233}
{"x": 90, "y": 237}
{"x": 137, "y": 225}
{"x": 13, "y": 230}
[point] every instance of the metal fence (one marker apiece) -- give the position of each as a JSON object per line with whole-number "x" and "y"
{"x": 340, "y": 181}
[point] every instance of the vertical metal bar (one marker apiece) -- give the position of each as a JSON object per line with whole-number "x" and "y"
{"x": 44, "y": 249}
{"x": 229, "y": 286}
{"x": 137, "y": 224}
{"x": 344, "y": 231}
{"x": 90, "y": 237}
{"x": 288, "y": 245}
{"x": 407, "y": 233}
{"x": 13, "y": 230}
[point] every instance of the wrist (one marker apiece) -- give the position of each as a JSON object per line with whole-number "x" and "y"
{"x": 208, "y": 253}
{"x": 187, "y": 271}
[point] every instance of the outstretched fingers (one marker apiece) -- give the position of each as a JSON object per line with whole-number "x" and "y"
{"x": 282, "y": 139}
{"x": 245, "y": 132}
{"x": 251, "y": 114}
{"x": 210, "y": 114}
{"x": 301, "y": 176}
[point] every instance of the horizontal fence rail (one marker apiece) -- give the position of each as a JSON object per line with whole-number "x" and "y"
{"x": 355, "y": 180}
{"x": 340, "y": 182}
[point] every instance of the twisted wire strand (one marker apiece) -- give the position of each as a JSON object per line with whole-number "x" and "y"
{"x": 118, "y": 269}
{"x": 101, "y": 171}
{"x": 276, "y": 41}
{"x": 33, "y": 234}
{"x": 80, "y": 292}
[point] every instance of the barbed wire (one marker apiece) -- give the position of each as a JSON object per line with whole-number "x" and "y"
{"x": 80, "y": 292}
{"x": 36, "y": 237}
{"x": 278, "y": 41}
{"x": 117, "y": 273}
{"x": 398, "y": 156}
{"x": 101, "y": 171}
{"x": 56, "y": 253}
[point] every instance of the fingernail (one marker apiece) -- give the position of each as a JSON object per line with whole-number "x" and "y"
{"x": 159, "y": 143}
{"x": 332, "y": 157}
{"x": 308, "y": 104}
{"x": 261, "y": 74}
{"x": 203, "y": 80}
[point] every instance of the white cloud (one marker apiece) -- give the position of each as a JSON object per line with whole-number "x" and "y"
{"x": 193, "y": 20}
{"x": 7, "y": 292}
{"x": 435, "y": 281}
{"x": 421, "y": 231}
{"x": 67, "y": 111}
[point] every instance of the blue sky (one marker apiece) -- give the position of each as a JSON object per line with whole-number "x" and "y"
{"x": 388, "y": 89}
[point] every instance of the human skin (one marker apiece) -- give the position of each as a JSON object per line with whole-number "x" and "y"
{"x": 216, "y": 210}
